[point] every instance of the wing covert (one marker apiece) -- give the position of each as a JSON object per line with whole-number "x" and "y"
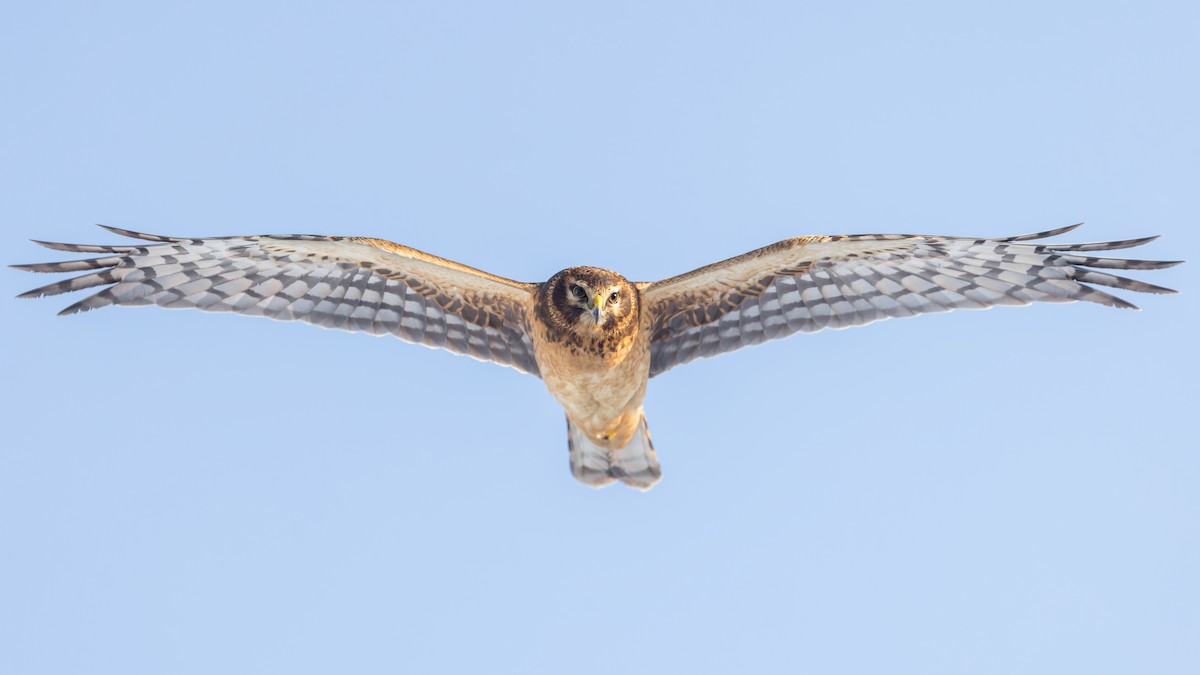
{"x": 349, "y": 283}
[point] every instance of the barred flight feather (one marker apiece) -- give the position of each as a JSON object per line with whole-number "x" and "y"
{"x": 808, "y": 284}
{"x": 349, "y": 283}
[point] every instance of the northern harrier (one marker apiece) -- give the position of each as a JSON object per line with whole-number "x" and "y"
{"x": 594, "y": 337}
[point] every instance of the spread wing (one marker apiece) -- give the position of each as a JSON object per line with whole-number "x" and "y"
{"x": 811, "y": 283}
{"x": 351, "y": 283}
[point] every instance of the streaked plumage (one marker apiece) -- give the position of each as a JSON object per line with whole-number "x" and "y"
{"x": 594, "y": 337}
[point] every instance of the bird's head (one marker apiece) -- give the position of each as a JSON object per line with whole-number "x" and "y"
{"x": 592, "y": 300}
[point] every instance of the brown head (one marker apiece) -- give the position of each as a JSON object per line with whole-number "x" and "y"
{"x": 591, "y": 304}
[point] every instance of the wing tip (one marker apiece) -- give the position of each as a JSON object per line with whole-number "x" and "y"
{"x": 1136, "y": 241}
{"x": 144, "y": 236}
{"x": 1092, "y": 246}
{"x": 1167, "y": 264}
{"x": 52, "y": 245}
{"x": 1046, "y": 233}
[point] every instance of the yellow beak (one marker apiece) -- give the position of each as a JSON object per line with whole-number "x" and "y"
{"x": 597, "y": 310}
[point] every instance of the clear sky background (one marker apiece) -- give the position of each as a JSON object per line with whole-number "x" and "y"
{"x": 1012, "y": 491}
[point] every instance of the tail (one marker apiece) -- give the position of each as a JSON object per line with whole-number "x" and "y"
{"x": 634, "y": 465}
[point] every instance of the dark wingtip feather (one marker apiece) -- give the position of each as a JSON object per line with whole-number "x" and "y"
{"x": 1092, "y": 294}
{"x": 1043, "y": 235}
{"x": 1102, "y": 245}
{"x": 1123, "y": 283}
{"x": 54, "y": 245}
{"x": 94, "y": 301}
{"x": 1121, "y": 303}
{"x": 1120, "y": 263}
{"x": 83, "y": 248}
{"x": 139, "y": 235}
{"x": 101, "y": 278}
{"x": 68, "y": 265}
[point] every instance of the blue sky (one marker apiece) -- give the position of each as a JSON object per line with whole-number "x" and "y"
{"x": 978, "y": 492}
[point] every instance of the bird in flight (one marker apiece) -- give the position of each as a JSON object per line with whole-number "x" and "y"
{"x": 594, "y": 337}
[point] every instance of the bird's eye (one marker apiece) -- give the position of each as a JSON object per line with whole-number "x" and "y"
{"x": 578, "y": 292}
{"x": 614, "y": 296}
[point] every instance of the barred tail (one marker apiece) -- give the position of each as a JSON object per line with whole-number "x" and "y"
{"x": 635, "y": 465}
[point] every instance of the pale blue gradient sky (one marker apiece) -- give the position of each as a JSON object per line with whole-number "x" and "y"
{"x": 1012, "y": 491}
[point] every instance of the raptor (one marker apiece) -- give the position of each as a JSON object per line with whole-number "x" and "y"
{"x": 594, "y": 337}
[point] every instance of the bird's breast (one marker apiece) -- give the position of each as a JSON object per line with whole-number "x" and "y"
{"x": 597, "y": 388}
